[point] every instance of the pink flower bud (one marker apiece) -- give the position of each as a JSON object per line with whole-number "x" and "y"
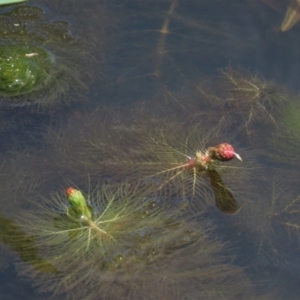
{"x": 223, "y": 152}
{"x": 70, "y": 191}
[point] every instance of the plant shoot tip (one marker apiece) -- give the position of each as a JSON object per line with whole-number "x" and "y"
{"x": 70, "y": 191}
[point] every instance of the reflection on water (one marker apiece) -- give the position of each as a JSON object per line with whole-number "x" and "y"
{"x": 178, "y": 179}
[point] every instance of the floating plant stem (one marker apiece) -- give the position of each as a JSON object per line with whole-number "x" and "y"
{"x": 164, "y": 31}
{"x": 292, "y": 15}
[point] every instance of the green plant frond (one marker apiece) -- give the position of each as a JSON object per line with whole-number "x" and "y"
{"x": 250, "y": 98}
{"x": 157, "y": 154}
{"x": 163, "y": 238}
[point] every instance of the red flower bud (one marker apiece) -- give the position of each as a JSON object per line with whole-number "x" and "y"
{"x": 223, "y": 152}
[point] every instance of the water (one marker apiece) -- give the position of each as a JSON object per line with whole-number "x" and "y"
{"x": 141, "y": 89}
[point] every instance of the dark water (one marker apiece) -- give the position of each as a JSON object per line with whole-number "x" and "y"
{"x": 140, "y": 87}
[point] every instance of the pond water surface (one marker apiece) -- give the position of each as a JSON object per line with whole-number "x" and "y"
{"x": 178, "y": 120}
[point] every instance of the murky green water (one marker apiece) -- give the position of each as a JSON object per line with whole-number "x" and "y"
{"x": 149, "y": 150}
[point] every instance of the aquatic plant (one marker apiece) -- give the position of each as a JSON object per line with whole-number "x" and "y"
{"x": 283, "y": 143}
{"x": 23, "y": 69}
{"x": 269, "y": 220}
{"x": 241, "y": 100}
{"x": 118, "y": 242}
{"x": 171, "y": 156}
{"x": 42, "y": 62}
{"x": 23, "y": 245}
{"x": 19, "y": 179}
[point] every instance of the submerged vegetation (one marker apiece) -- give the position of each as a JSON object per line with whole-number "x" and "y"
{"x": 238, "y": 100}
{"x": 272, "y": 220}
{"x": 170, "y": 197}
{"x": 285, "y": 141}
{"x": 42, "y": 62}
{"x": 176, "y": 159}
{"x": 117, "y": 239}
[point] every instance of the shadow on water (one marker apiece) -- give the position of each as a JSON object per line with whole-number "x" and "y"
{"x": 149, "y": 150}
